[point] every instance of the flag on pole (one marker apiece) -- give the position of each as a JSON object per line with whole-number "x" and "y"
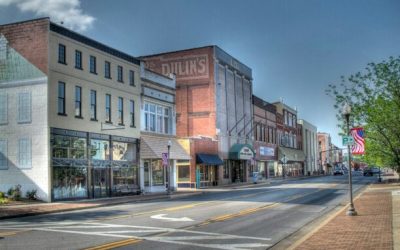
{"x": 358, "y": 135}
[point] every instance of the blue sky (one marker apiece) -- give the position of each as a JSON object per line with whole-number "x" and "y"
{"x": 295, "y": 48}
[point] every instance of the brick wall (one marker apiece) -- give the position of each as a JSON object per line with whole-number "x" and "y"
{"x": 195, "y": 94}
{"x": 30, "y": 39}
{"x": 201, "y": 146}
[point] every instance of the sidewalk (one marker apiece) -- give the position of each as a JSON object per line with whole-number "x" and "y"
{"x": 21, "y": 210}
{"x": 377, "y": 207}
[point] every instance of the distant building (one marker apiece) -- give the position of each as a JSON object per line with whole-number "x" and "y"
{"x": 213, "y": 110}
{"x": 265, "y": 137}
{"x": 325, "y": 152}
{"x": 69, "y": 110}
{"x": 290, "y": 154}
{"x": 310, "y": 147}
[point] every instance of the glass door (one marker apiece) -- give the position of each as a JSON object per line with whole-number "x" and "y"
{"x": 101, "y": 182}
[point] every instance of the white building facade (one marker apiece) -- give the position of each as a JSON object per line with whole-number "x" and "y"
{"x": 310, "y": 147}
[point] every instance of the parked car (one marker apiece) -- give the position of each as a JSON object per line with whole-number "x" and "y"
{"x": 338, "y": 172}
{"x": 368, "y": 172}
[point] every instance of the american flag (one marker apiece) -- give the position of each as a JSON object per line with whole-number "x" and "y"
{"x": 358, "y": 135}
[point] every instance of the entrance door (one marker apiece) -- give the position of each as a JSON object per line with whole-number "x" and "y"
{"x": 237, "y": 171}
{"x": 101, "y": 182}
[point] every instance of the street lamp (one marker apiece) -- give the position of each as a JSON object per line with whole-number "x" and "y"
{"x": 346, "y": 113}
{"x": 169, "y": 168}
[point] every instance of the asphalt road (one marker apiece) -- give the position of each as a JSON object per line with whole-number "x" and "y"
{"x": 255, "y": 217}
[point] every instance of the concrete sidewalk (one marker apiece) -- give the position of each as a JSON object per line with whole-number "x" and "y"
{"x": 28, "y": 209}
{"x": 375, "y": 227}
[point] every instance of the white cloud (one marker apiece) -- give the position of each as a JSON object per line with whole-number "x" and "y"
{"x": 67, "y": 11}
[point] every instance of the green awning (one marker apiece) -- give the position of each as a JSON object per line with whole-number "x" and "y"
{"x": 241, "y": 152}
{"x": 208, "y": 159}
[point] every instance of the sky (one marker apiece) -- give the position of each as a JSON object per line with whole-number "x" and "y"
{"x": 294, "y": 48}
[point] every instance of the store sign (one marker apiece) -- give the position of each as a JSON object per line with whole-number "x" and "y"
{"x": 267, "y": 151}
{"x": 246, "y": 153}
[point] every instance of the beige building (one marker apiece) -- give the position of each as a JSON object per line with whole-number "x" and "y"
{"x": 310, "y": 147}
{"x": 77, "y": 129}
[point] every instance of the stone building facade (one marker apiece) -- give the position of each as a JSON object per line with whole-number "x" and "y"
{"x": 310, "y": 147}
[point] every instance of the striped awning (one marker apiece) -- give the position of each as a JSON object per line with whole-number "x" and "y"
{"x": 152, "y": 147}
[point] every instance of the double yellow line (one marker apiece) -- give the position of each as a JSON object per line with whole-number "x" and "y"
{"x": 115, "y": 244}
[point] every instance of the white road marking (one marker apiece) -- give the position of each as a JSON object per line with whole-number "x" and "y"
{"x": 162, "y": 217}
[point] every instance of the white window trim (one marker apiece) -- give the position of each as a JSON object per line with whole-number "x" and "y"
{"x": 25, "y": 118}
{"x": 4, "y": 114}
{"x": 28, "y": 152}
{"x": 5, "y": 153}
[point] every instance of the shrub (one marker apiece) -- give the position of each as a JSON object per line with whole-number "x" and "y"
{"x": 14, "y": 193}
{"x": 2, "y": 195}
{"x": 31, "y": 195}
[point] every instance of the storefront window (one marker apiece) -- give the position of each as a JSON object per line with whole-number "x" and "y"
{"x": 68, "y": 147}
{"x": 100, "y": 149}
{"x": 183, "y": 173}
{"x": 123, "y": 151}
{"x": 125, "y": 180}
{"x": 69, "y": 182}
{"x": 157, "y": 173}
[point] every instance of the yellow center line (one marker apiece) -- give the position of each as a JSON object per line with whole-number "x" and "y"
{"x": 115, "y": 244}
{"x": 2, "y": 234}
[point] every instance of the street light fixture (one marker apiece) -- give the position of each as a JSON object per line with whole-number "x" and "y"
{"x": 169, "y": 168}
{"x": 346, "y": 113}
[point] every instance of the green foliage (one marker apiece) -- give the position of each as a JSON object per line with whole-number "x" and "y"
{"x": 3, "y": 201}
{"x": 374, "y": 96}
{"x": 14, "y": 193}
{"x": 31, "y": 195}
{"x": 2, "y": 195}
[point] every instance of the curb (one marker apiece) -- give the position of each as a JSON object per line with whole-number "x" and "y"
{"x": 171, "y": 197}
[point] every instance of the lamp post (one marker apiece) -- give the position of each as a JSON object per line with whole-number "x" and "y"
{"x": 169, "y": 168}
{"x": 346, "y": 113}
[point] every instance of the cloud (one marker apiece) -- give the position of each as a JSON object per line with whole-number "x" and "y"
{"x": 67, "y": 11}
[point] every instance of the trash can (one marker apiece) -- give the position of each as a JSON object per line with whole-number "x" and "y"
{"x": 255, "y": 177}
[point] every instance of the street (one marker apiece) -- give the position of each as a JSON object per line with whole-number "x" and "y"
{"x": 251, "y": 217}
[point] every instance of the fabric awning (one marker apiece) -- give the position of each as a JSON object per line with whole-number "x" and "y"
{"x": 292, "y": 155}
{"x": 152, "y": 147}
{"x": 208, "y": 159}
{"x": 241, "y": 152}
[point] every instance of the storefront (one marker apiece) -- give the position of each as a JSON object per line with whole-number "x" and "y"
{"x": 291, "y": 162}
{"x": 89, "y": 165}
{"x": 155, "y": 173}
{"x": 266, "y": 156}
{"x": 207, "y": 166}
{"x": 240, "y": 162}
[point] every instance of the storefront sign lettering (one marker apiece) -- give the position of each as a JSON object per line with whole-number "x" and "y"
{"x": 246, "y": 153}
{"x": 267, "y": 151}
{"x": 186, "y": 67}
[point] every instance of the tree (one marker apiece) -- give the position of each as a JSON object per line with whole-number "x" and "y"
{"x": 374, "y": 96}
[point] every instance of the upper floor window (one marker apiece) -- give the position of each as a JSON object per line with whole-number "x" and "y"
{"x": 61, "y": 98}
{"x": 3, "y": 108}
{"x": 93, "y": 105}
{"x": 92, "y": 65}
{"x": 24, "y": 153}
{"x": 132, "y": 113}
{"x": 120, "y": 72}
{"x": 131, "y": 78}
{"x": 78, "y": 101}
{"x": 78, "y": 59}
{"x": 3, "y": 154}
{"x": 24, "y": 107}
{"x": 108, "y": 108}
{"x": 120, "y": 110}
{"x": 157, "y": 118}
{"x": 61, "y": 54}
{"x": 107, "y": 69}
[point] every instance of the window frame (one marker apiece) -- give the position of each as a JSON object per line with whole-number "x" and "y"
{"x": 3, "y": 154}
{"x": 92, "y": 64}
{"x": 121, "y": 111}
{"x": 78, "y": 59}
{"x": 24, "y": 105}
{"x": 132, "y": 113}
{"x": 25, "y": 156}
{"x": 107, "y": 69}
{"x": 108, "y": 108}
{"x": 59, "y": 98}
{"x": 78, "y": 103}
{"x": 3, "y": 108}
{"x": 120, "y": 74}
{"x": 62, "y": 54}
{"x": 132, "y": 78}
{"x": 93, "y": 105}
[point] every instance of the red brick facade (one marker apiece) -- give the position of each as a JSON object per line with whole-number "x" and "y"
{"x": 195, "y": 92}
{"x": 30, "y": 39}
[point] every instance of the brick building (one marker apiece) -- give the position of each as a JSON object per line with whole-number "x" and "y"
{"x": 265, "y": 137}
{"x": 213, "y": 101}
{"x": 325, "y": 152}
{"x": 290, "y": 154}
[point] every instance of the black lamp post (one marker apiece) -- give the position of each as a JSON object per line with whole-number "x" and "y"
{"x": 346, "y": 113}
{"x": 169, "y": 168}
